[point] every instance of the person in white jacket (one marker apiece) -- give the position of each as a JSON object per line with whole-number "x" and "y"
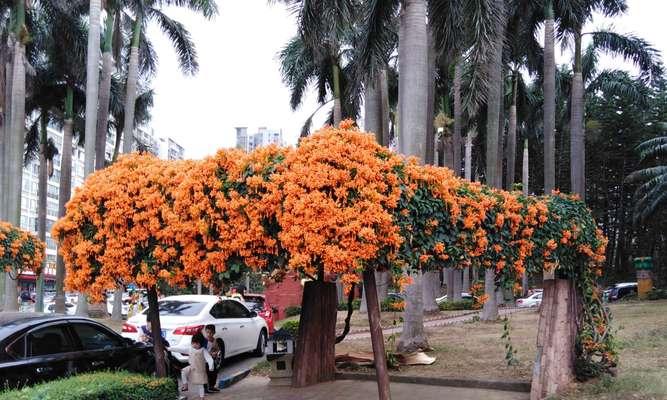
{"x": 195, "y": 375}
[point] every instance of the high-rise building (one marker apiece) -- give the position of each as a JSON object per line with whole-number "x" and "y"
{"x": 29, "y": 193}
{"x": 263, "y": 137}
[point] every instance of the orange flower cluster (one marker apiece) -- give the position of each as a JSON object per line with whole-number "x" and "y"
{"x": 19, "y": 250}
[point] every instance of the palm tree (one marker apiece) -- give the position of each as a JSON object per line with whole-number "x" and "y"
{"x": 651, "y": 196}
{"x": 92, "y": 83}
{"x": 150, "y": 10}
{"x": 549, "y": 82}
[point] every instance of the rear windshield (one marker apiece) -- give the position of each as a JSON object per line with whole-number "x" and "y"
{"x": 254, "y": 303}
{"x": 181, "y": 308}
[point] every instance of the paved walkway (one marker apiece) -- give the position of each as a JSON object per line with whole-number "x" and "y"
{"x": 433, "y": 323}
{"x": 258, "y": 388}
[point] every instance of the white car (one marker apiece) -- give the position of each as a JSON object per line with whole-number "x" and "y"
{"x": 70, "y": 309}
{"x": 534, "y": 300}
{"x": 238, "y": 329}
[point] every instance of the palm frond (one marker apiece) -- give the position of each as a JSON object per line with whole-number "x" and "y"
{"x": 652, "y": 147}
{"x": 619, "y": 83}
{"x": 206, "y": 8}
{"x": 631, "y": 48}
{"x": 181, "y": 40}
{"x": 297, "y": 69}
{"x": 378, "y": 37}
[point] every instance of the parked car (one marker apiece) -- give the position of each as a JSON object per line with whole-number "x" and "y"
{"x": 70, "y": 309}
{"x": 464, "y": 296}
{"x": 125, "y": 305}
{"x": 238, "y": 329}
{"x": 36, "y": 347}
{"x": 534, "y": 300}
{"x": 621, "y": 290}
{"x": 395, "y": 297}
{"x": 259, "y": 304}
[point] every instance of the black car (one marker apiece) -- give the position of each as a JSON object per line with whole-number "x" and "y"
{"x": 38, "y": 347}
{"x": 622, "y": 290}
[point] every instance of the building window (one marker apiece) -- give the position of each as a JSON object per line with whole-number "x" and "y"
{"x": 52, "y": 192}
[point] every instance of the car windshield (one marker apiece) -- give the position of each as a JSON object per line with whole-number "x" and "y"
{"x": 180, "y": 308}
{"x": 254, "y": 303}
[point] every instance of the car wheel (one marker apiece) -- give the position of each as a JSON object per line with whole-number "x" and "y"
{"x": 220, "y": 358}
{"x": 261, "y": 344}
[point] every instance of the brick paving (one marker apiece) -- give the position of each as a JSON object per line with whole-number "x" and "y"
{"x": 258, "y": 388}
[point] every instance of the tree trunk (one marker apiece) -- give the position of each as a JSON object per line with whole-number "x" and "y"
{"x": 156, "y": 331}
{"x": 117, "y": 310}
{"x": 429, "y": 157}
{"x": 458, "y": 117}
{"x": 494, "y": 100}
{"x": 466, "y": 280}
{"x": 511, "y": 137}
{"x": 554, "y": 363}
{"x": 430, "y": 291}
{"x": 372, "y": 110}
{"x": 413, "y": 337}
{"x": 413, "y": 81}
{"x": 501, "y": 130}
{"x": 314, "y": 358}
{"x": 577, "y": 138}
{"x": 524, "y": 187}
{"x": 14, "y": 171}
{"x": 338, "y": 109}
{"x": 382, "y": 285}
{"x": 490, "y": 309}
{"x": 92, "y": 85}
{"x": 5, "y": 93}
{"x": 468, "y": 157}
{"x": 64, "y": 193}
{"x": 377, "y": 339}
{"x": 41, "y": 207}
{"x": 449, "y": 281}
{"x": 131, "y": 88}
{"x": 103, "y": 113}
{"x": 384, "y": 107}
{"x": 457, "y": 275}
{"x": 549, "y": 101}
{"x": 4, "y": 161}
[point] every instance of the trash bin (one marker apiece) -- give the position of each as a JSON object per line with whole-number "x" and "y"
{"x": 644, "y": 268}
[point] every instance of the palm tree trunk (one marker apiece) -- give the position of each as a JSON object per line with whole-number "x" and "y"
{"x": 466, "y": 280}
{"x": 549, "y": 100}
{"x": 429, "y": 156}
{"x": 104, "y": 94}
{"x": 413, "y": 336}
{"x": 64, "y": 193}
{"x": 413, "y": 81}
{"x": 494, "y": 97}
{"x": 511, "y": 136}
{"x": 131, "y": 88}
{"x": 384, "y": 107}
{"x": 117, "y": 310}
{"x": 372, "y": 111}
{"x": 41, "y": 207}
{"x": 4, "y": 161}
{"x": 501, "y": 130}
{"x": 525, "y": 189}
{"x": 4, "y": 103}
{"x": 457, "y": 278}
{"x": 468, "y": 157}
{"x": 338, "y": 110}
{"x": 92, "y": 85}
{"x": 458, "y": 117}
{"x": 490, "y": 309}
{"x": 577, "y": 138}
{"x": 430, "y": 291}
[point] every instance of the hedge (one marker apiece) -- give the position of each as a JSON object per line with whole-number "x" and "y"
{"x": 292, "y": 311}
{"x": 99, "y": 385}
{"x": 456, "y": 305}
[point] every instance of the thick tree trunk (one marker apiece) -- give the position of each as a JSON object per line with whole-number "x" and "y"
{"x": 524, "y": 187}
{"x": 413, "y": 337}
{"x": 490, "y": 309}
{"x": 494, "y": 100}
{"x": 103, "y": 113}
{"x": 14, "y": 172}
{"x": 338, "y": 110}
{"x": 430, "y": 106}
{"x": 413, "y": 80}
{"x": 314, "y": 359}
{"x": 449, "y": 281}
{"x": 377, "y": 339}
{"x": 511, "y": 137}
{"x": 384, "y": 107}
{"x": 577, "y": 139}
{"x": 117, "y": 310}
{"x": 549, "y": 101}
{"x": 554, "y": 363}
{"x": 466, "y": 280}
{"x": 501, "y": 131}
{"x": 131, "y": 89}
{"x": 458, "y": 283}
{"x": 92, "y": 85}
{"x": 372, "y": 110}
{"x": 430, "y": 291}
{"x": 5, "y": 93}
{"x": 64, "y": 193}
{"x": 156, "y": 331}
{"x": 41, "y": 208}
{"x": 458, "y": 118}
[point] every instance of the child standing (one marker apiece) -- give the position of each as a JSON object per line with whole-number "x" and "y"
{"x": 195, "y": 374}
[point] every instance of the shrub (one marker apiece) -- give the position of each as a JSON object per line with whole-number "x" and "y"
{"x": 292, "y": 327}
{"x": 355, "y": 305}
{"x": 456, "y": 305}
{"x": 100, "y": 385}
{"x": 292, "y": 311}
{"x": 657, "y": 294}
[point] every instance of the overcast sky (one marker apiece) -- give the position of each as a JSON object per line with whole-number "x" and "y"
{"x": 239, "y": 82}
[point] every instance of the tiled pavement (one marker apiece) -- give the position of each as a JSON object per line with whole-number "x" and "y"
{"x": 258, "y": 388}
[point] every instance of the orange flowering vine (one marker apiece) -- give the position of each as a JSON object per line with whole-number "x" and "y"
{"x": 19, "y": 250}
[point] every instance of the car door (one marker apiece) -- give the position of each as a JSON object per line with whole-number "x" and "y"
{"x": 225, "y": 327}
{"x": 50, "y": 352}
{"x": 245, "y": 328}
{"x": 100, "y": 348}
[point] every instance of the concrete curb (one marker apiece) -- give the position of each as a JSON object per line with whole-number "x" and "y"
{"x": 508, "y": 386}
{"x": 228, "y": 381}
